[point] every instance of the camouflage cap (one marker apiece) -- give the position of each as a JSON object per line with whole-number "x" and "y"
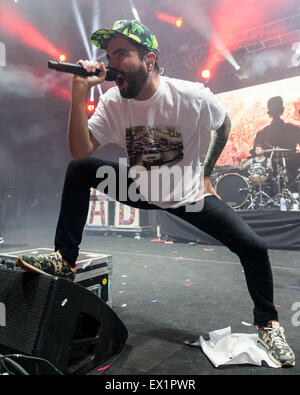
{"x": 128, "y": 28}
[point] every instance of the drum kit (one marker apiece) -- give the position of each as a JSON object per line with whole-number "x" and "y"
{"x": 263, "y": 188}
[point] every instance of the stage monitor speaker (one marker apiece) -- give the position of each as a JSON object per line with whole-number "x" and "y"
{"x": 57, "y": 320}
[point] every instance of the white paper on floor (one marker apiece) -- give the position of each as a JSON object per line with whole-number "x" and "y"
{"x": 226, "y": 348}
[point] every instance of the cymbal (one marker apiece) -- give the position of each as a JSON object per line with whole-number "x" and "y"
{"x": 224, "y": 167}
{"x": 279, "y": 150}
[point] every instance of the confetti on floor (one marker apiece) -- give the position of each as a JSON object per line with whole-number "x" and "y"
{"x": 246, "y": 323}
{"x": 105, "y": 367}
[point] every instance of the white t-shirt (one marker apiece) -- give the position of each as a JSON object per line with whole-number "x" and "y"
{"x": 161, "y": 137}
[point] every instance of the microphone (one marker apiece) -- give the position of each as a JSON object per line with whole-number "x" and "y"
{"x": 75, "y": 68}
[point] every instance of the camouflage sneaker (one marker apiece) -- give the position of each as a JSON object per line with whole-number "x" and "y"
{"x": 273, "y": 339}
{"x": 50, "y": 264}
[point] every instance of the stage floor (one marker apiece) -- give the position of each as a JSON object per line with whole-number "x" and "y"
{"x": 167, "y": 293}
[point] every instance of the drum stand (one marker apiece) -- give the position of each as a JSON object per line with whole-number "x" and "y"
{"x": 284, "y": 194}
{"x": 259, "y": 199}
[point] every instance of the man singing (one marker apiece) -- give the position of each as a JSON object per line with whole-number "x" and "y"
{"x": 156, "y": 120}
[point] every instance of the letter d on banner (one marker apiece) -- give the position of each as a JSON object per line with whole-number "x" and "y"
{"x": 2, "y": 314}
{"x": 2, "y": 55}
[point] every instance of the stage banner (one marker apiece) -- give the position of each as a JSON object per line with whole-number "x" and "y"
{"x": 98, "y": 211}
{"x": 126, "y": 217}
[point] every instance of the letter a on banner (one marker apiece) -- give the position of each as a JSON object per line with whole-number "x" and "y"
{"x": 98, "y": 212}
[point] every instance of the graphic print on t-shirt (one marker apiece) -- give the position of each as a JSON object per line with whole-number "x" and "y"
{"x": 154, "y": 146}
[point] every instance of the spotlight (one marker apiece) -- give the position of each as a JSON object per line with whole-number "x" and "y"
{"x": 205, "y": 74}
{"x": 90, "y": 107}
{"x": 179, "y": 22}
{"x": 62, "y": 57}
{"x": 16, "y": 26}
{"x": 169, "y": 19}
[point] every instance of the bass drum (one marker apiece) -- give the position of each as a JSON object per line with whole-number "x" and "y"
{"x": 233, "y": 189}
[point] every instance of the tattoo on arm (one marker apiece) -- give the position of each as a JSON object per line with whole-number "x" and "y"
{"x": 217, "y": 143}
{"x": 246, "y": 164}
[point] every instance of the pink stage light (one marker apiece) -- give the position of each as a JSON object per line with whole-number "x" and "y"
{"x": 176, "y": 21}
{"x": 13, "y": 24}
{"x": 232, "y": 17}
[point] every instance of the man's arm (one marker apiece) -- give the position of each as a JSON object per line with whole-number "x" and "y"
{"x": 245, "y": 164}
{"x": 269, "y": 164}
{"x": 217, "y": 143}
{"x": 82, "y": 143}
{"x": 216, "y": 146}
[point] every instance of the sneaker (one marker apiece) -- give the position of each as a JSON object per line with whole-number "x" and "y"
{"x": 51, "y": 264}
{"x": 273, "y": 339}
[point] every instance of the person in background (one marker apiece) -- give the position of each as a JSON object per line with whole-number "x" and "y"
{"x": 258, "y": 161}
{"x": 278, "y": 133}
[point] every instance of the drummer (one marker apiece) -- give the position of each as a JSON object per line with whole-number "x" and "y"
{"x": 259, "y": 161}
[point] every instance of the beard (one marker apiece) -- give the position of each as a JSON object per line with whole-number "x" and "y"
{"x": 135, "y": 83}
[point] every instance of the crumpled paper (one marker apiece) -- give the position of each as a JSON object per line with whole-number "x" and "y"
{"x": 225, "y": 348}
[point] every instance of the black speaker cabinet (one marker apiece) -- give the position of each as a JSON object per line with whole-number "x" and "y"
{"x": 57, "y": 320}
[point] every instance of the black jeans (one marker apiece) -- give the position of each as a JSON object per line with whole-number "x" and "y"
{"x": 216, "y": 219}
